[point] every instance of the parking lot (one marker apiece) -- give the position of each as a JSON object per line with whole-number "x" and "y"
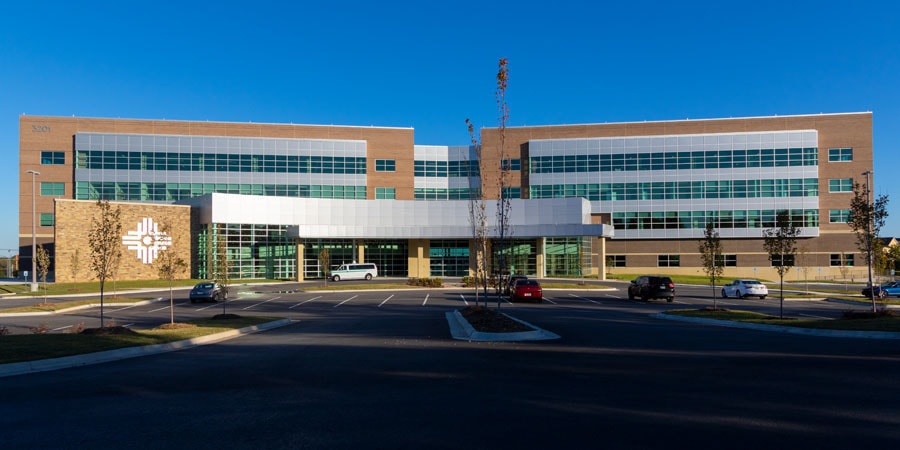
{"x": 377, "y": 369}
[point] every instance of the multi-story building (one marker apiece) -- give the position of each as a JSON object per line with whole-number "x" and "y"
{"x": 636, "y": 196}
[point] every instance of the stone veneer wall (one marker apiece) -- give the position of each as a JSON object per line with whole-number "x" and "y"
{"x": 73, "y": 224}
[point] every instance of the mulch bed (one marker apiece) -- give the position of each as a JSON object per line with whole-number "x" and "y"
{"x": 490, "y": 321}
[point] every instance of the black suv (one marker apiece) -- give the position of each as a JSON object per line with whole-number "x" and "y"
{"x": 647, "y": 287}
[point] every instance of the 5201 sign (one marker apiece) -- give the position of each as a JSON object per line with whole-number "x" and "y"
{"x": 40, "y": 128}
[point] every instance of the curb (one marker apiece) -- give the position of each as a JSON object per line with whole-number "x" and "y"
{"x": 783, "y": 329}
{"x": 461, "y": 329}
{"x": 43, "y": 365}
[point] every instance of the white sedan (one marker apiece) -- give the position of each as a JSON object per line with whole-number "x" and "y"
{"x": 743, "y": 288}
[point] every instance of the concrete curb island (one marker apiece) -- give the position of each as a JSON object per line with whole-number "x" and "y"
{"x": 43, "y": 365}
{"x": 461, "y": 329}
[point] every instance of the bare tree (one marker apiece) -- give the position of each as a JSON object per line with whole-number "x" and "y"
{"x": 711, "y": 257}
{"x": 477, "y": 214}
{"x": 42, "y": 261}
{"x": 105, "y": 236}
{"x": 503, "y": 203}
{"x": 169, "y": 266}
{"x": 781, "y": 245}
{"x": 325, "y": 263}
{"x": 866, "y": 220}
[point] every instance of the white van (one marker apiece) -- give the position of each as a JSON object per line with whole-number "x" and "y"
{"x": 365, "y": 271}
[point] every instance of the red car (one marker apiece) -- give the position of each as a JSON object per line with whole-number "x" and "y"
{"x": 527, "y": 290}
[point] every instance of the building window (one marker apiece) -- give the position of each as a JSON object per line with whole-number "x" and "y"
{"x": 668, "y": 260}
{"x": 777, "y": 260}
{"x": 387, "y": 193}
{"x": 49, "y": 158}
{"x": 840, "y": 154}
{"x": 840, "y": 185}
{"x": 512, "y": 164}
{"x": 838, "y": 215}
{"x": 838, "y": 259}
{"x": 47, "y": 220}
{"x": 512, "y": 192}
{"x": 616, "y": 261}
{"x": 385, "y": 165}
{"x": 49, "y": 189}
{"x": 729, "y": 260}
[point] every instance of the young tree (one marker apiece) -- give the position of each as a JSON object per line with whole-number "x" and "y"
{"x": 711, "y": 256}
{"x": 169, "y": 266}
{"x": 325, "y": 263}
{"x": 477, "y": 214}
{"x": 866, "y": 220}
{"x": 42, "y": 261}
{"x": 223, "y": 265}
{"x": 503, "y": 203}
{"x": 781, "y": 245}
{"x": 75, "y": 264}
{"x": 105, "y": 240}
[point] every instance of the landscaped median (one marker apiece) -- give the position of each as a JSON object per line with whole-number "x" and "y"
{"x": 884, "y": 324}
{"x": 28, "y": 353}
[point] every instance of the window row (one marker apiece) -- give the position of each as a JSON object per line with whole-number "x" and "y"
{"x": 218, "y": 162}
{"x": 726, "y": 159}
{"x": 671, "y": 220}
{"x": 53, "y": 189}
{"x": 161, "y": 192}
{"x": 445, "y": 194}
{"x": 670, "y": 190}
{"x": 444, "y": 169}
{"x": 836, "y": 259}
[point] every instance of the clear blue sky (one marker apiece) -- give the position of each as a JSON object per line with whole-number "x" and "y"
{"x": 430, "y": 65}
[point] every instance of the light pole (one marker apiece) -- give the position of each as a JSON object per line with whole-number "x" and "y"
{"x": 34, "y": 286}
{"x": 869, "y": 238}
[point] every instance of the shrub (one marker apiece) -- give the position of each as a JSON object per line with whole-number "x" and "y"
{"x": 3, "y": 330}
{"x": 42, "y": 328}
{"x": 426, "y": 282}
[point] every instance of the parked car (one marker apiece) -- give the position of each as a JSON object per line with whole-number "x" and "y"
{"x": 744, "y": 288}
{"x": 207, "y": 291}
{"x": 526, "y": 289}
{"x": 507, "y": 290}
{"x": 884, "y": 290}
{"x": 652, "y": 286}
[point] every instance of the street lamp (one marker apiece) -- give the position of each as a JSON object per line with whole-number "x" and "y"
{"x": 34, "y": 286}
{"x": 870, "y": 238}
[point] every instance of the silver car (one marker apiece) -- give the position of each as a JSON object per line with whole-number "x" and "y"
{"x": 744, "y": 288}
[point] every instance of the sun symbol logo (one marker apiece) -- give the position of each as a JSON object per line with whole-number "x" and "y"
{"x": 147, "y": 240}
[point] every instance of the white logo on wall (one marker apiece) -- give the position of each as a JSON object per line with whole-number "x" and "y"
{"x": 147, "y": 240}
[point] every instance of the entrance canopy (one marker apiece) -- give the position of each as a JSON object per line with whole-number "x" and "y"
{"x": 398, "y": 219}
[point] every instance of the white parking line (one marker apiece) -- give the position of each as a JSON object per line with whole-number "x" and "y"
{"x": 385, "y": 300}
{"x": 61, "y": 328}
{"x": 305, "y": 301}
{"x": 548, "y": 300}
{"x": 260, "y": 303}
{"x": 210, "y": 306}
{"x": 464, "y": 299}
{"x": 157, "y": 309}
{"x": 586, "y": 299}
{"x": 816, "y": 317}
{"x": 345, "y": 301}
{"x": 426, "y": 299}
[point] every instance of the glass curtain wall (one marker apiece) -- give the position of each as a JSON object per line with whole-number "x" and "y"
{"x": 519, "y": 255}
{"x": 340, "y": 251}
{"x": 252, "y": 251}
{"x": 565, "y": 256}
{"x": 391, "y": 257}
{"x": 449, "y": 258}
